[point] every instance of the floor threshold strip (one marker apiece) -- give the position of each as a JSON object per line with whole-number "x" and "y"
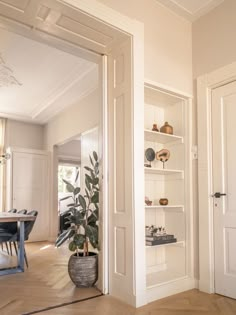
{"x": 63, "y": 304}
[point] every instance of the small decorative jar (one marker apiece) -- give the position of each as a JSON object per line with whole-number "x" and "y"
{"x": 154, "y": 127}
{"x": 167, "y": 128}
{"x": 163, "y": 201}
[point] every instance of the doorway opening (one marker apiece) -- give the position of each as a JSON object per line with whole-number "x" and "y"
{"x": 120, "y": 40}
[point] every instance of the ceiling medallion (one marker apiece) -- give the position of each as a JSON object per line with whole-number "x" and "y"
{"x": 6, "y": 75}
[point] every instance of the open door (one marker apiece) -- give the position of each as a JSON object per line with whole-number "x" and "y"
{"x": 121, "y": 254}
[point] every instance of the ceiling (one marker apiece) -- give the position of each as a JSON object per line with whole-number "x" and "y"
{"x": 191, "y": 9}
{"x": 38, "y": 81}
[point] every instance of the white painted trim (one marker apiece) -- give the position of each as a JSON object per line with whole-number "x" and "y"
{"x": 48, "y": 39}
{"x": 135, "y": 29}
{"x": 105, "y": 198}
{"x": 205, "y": 84}
{"x": 25, "y": 150}
{"x": 68, "y": 158}
{"x": 167, "y": 89}
{"x": 87, "y": 79}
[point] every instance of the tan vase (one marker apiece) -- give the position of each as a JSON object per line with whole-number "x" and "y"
{"x": 163, "y": 201}
{"x": 167, "y": 128}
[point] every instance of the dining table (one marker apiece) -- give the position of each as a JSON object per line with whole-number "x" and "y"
{"x": 20, "y": 220}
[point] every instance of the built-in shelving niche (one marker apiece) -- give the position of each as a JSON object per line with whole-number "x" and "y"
{"x": 166, "y": 265}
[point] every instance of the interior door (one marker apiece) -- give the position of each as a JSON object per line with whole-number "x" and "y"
{"x": 224, "y": 175}
{"x": 29, "y": 189}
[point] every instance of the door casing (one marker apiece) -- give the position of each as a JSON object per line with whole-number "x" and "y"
{"x": 205, "y": 84}
{"x": 134, "y": 29}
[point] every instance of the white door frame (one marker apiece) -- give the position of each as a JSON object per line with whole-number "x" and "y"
{"x": 205, "y": 84}
{"x": 135, "y": 29}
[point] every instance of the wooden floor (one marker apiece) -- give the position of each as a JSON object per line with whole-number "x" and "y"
{"x": 46, "y": 283}
{"x": 188, "y": 303}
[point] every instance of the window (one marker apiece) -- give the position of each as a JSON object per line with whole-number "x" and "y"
{"x": 69, "y": 173}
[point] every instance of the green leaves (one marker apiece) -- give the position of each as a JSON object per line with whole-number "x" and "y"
{"x": 83, "y": 212}
{"x": 95, "y": 156}
{"x": 69, "y": 186}
{"x": 92, "y": 233}
{"x": 82, "y": 202}
{"x": 64, "y": 236}
{"x": 65, "y": 198}
{"x": 95, "y": 197}
{"x": 77, "y": 191}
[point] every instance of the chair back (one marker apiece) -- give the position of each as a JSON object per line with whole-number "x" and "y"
{"x": 23, "y": 211}
{"x": 29, "y": 224}
{"x": 12, "y": 211}
{"x": 10, "y": 227}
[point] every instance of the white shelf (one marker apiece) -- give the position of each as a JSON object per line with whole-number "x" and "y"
{"x": 161, "y": 171}
{"x": 159, "y": 137}
{"x": 162, "y": 277}
{"x": 176, "y": 244}
{"x": 166, "y": 271}
{"x": 180, "y": 208}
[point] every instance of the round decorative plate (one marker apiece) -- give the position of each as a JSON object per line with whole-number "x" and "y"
{"x": 150, "y": 154}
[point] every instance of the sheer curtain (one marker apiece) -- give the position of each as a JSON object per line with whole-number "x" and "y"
{"x": 2, "y": 168}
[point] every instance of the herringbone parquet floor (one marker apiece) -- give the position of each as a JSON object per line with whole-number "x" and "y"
{"x": 44, "y": 284}
{"x": 188, "y": 303}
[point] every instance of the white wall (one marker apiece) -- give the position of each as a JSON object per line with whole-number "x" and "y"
{"x": 78, "y": 118}
{"x": 89, "y": 143}
{"x": 24, "y": 135}
{"x": 214, "y": 43}
{"x": 214, "y": 46}
{"x": 70, "y": 151}
{"x": 167, "y": 42}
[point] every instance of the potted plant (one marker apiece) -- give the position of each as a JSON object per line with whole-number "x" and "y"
{"x": 82, "y": 229}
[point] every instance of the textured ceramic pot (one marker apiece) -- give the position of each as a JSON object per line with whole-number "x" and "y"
{"x": 167, "y": 128}
{"x": 83, "y": 270}
{"x": 163, "y": 201}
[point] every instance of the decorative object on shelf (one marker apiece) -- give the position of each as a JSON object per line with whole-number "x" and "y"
{"x": 158, "y": 236}
{"x": 163, "y": 156}
{"x": 154, "y": 127}
{"x": 147, "y": 201}
{"x": 150, "y": 156}
{"x": 167, "y": 128}
{"x": 163, "y": 201}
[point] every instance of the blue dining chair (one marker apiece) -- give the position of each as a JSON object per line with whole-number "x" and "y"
{"x": 12, "y": 228}
{"x": 5, "y": 225}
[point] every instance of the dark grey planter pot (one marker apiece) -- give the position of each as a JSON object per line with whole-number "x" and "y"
{"x": 83, "y": 270}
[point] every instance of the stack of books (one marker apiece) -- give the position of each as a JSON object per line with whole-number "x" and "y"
{"x": 160, "y": 239}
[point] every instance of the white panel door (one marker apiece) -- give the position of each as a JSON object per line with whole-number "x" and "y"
{"x": 121, "y": 253}
{"x": 30, "y": 189}
{"x": 224, "y": 174}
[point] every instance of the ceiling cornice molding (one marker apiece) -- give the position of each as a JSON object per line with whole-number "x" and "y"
{"x": 87, "y": 84}
{"x": 71, "y": 80}
{"x": 186, "y": 13}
